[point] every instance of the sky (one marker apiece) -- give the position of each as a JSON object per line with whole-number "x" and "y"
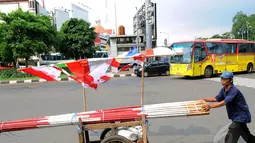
{"x": 180, "y": 19}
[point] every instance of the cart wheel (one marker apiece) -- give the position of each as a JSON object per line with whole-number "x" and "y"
{"x": 104, "y": 133}
{"x": 116, "y": 139}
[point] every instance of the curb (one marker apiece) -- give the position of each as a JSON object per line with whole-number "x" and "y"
{"x": 62, "y": 79}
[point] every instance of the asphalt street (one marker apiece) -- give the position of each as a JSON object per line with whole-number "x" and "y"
{"x": 21, "y": 101}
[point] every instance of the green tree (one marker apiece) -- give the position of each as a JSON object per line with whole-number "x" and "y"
{"x": 6, "y": 53}
{"x": 244, "y": 26}
{"x": 251, "y": 27}
{"x": 226, "y": 35}
{"x": 202, "y": 38}
{"x": 26, "y": 34}
{"x": 77, "y": 39}
{"x": 97, "y": 48}
{"x": 216, "y": 36}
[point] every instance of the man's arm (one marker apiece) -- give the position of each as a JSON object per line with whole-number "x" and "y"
{"x": 227, "y": 100}
{"x": 209, "y": 99}
{"x": 217, "y": 105}
{"x": 217, "y": 98}
{"x": 207, "y": 107}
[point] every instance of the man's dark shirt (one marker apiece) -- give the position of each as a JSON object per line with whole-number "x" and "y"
{"x": 237, "y": 108}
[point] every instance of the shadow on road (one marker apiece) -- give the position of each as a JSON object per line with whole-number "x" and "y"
{"x": 171, "y": 130}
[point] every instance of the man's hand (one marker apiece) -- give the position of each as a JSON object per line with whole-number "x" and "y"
{"x": 206, "y": 107}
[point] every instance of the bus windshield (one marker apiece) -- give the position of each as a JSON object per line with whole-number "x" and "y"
{"x": 186, "y": 49}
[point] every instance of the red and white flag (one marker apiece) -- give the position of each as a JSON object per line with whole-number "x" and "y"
{"x": 65, "y": 72}
{"x": 138, "y": 59}
{"x": 88, "y": 72}
{"x": 45, "y": 72}
{"x": 154, "y": 52}
{"x": 92, "y": 72}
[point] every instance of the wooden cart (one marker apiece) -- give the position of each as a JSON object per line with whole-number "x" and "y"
{"x": 111, "y": 128}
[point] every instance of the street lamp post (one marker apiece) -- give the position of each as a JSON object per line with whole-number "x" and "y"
{"x": 167, "y": 36}
{"x": 248, "y": 29}
{"x": 245, "y": 28}
{"x": 241, "y": 31}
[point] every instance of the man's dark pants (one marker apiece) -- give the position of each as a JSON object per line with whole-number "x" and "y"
{"x": 236, "y": 130}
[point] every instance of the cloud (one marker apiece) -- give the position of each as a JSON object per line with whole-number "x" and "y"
{"x": 190, "y": 31}
{"x": 185, "y": 20}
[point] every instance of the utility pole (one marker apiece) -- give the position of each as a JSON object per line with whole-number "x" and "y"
{"x": 149, "y": 22}
{"x": 115, "y": 14}
{"x": 137, "y": 33}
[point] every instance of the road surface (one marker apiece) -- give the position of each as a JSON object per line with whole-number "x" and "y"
{"x": 28, "y": 100}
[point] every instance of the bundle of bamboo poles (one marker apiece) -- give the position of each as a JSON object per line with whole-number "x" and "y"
{"x": 130, "y": 113}
{"x": 175, "y": 109}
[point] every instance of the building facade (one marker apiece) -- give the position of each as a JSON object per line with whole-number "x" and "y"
{"x": 7, "y": 6}
{"x": 102, "y": 37}
{"x": 79, "y": 11}
{"x": 60, "y": 16}
{"x": 73, "y": 10}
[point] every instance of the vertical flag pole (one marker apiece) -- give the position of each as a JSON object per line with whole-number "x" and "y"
{"x": 144, "y": 130}
{"x": 84, "y": 99}
{"x": 83, "y": 136}
{"x": 86, "y": 133}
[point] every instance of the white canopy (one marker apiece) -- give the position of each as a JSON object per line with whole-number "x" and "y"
{"x": 162, "y": 51}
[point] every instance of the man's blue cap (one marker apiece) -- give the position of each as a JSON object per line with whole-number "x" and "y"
{"x": 227, "y": 74}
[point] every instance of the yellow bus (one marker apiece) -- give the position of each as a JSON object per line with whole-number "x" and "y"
{"x": 211, "y": 57}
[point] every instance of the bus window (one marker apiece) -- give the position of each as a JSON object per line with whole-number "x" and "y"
{"x": 185, "y": 49}
{"x": 199, "y": 52}
{"x": 253, "y": 47}
{"x": 203, "y": 54}
{"x": 215, "y": 48}
{"x": 231, "y": 48}
{"x": 244, "y": 48}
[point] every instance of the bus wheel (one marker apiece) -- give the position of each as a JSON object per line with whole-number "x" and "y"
{"x": 249, "y": 68}
{"x": 208, "y": 72}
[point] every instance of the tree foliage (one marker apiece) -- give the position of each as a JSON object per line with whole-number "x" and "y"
{"x": 24, "y": 34}
{"x": 77, "y": 39}
{"x": 226, "y": 35}
{"x": 243, "y": 27}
